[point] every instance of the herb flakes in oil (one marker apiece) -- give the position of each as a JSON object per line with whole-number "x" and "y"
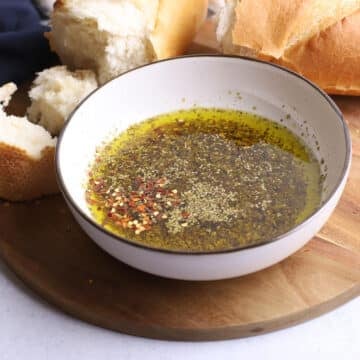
{"x": 203, "y": 180}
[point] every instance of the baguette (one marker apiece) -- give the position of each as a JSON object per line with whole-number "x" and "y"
{"x": 317, "y": 38}
{"x": 111, "y": 37}
{"x": 331, "y": 58}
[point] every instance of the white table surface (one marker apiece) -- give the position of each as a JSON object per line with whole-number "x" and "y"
{"x": 32, "y": 329}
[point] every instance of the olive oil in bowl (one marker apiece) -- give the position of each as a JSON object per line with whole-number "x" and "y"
{"x": 203, "y": 180}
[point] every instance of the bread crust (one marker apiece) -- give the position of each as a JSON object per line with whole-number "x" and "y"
{"x": 272, "y": 26}
{"x": 331, "y": 58}
{"x": 24, "y": 178}
{"x": 177, "y": 23}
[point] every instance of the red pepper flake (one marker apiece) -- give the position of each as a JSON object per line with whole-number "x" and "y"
{"x": 185, "y": 214}
{"x": 140, "y": 208}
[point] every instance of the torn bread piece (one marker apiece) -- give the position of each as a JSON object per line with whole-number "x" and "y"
{"x": 317, "y": 38}
{"x": 55, "y": 94}
{"x": 27, "y": 155}
{"x": 271, "y": 27}
{"x": 111, "y": 37}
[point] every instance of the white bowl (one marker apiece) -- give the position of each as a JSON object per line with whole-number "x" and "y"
{"x": 207, "y": 81}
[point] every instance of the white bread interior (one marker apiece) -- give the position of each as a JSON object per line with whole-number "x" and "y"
{"x": 55, "y": 94}
{"x": 6, "y": 92}
{"x": 216, "y": 5}
{"x": 27, "y": 155}
{"x": 90, "y": 35}
{"x": 226, "y": 21}
{"x": 20, "y": 132}
{"x": 113, "y": 36}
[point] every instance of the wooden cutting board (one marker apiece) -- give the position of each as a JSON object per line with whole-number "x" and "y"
{"x": 46, "y": 248}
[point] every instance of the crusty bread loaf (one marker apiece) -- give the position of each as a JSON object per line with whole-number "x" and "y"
{"x": 317, "y": 38}
{"x": 111, "y": 37}
{"x": 27, "y": 156}
{"x": 331, "y": 58}
{"x": 55, "y": 94}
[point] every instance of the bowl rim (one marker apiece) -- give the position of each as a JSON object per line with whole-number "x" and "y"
{"x": 90, "y": 221}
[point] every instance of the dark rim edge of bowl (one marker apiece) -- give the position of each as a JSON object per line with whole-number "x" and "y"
{"x": 92, "y": 222}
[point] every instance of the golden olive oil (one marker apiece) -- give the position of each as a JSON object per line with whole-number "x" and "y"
{"x": 203, "y": 180}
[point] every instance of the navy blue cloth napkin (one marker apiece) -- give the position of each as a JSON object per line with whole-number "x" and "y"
{"x": 23, "y": 48}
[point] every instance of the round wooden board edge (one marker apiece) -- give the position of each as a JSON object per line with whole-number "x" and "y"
{"x": 177, "y": 334}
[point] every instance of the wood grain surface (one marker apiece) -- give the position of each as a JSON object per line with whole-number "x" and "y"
{"x": 45, "y": 247}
